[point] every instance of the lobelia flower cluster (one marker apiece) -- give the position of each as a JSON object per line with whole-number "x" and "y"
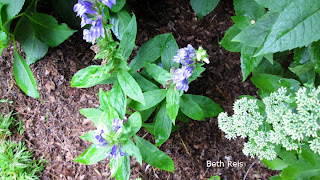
{"x": 90, "y": 13}
{"x": 288, "y": 121}
{"x": 187, "y": 57}
{"x": 106, "y": 138}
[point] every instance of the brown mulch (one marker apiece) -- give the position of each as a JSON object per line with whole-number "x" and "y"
{"x": 53, "y": 124}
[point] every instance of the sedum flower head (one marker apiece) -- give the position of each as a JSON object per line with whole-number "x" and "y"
{"x": 290, "y": 119}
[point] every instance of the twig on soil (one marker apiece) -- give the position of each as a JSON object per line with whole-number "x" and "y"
{"x": 245, "y": 176}
{"x": 54, "y": 176}
{"x": 96, "y": 170}
{"x": 184, "y": 145}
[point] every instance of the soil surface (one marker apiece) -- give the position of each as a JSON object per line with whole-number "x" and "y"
{"x": 53, "y": 124}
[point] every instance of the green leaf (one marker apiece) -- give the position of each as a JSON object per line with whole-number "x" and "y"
{"x": 302, "y": 69}
{"x": 91, "y": 76}
{"x": 107, "y": 108}
{"x": 144, "y": 83}
{"x": 301, "y": 56}
{"x": 95, "y": 115}
{"x": 248, "y": 8}
{"x": 10, "y": 9}
{"x": 190, "y": 108}
{"x": 209, "y": 107}
{"x": 296, "y": 26}
{"x": 248, "y": 62}
{"x": 241, "y": 22}
{"x": 172, "y": 103}
{"x": 182, "y": 117}
{"x": 3, "y": 39}
{"x": 92, "y": 155}
{"x": 147, "y": 113}
{"x": 203, "y": 7}
{"x": 133, "y": 125}
{"x": 48, "y": 30}
{"x": 64, "y": 10}
{"x": 163, "y": 125}
{"x": 89, "y": 136}
{"x": 149, "y": 127}
{"x": 123, "y": 170}
{"x": 32, "y": 46}
{"x": 274, "y": 5}
{"x": 119, "y": 5}
{"x": 128, "y": 39}
{"x": 169, "y": 50}
{"x": 276, "y": 164}
{"x": 265, "y": 67}
{"x": 148, "y": 52}
{"x": 197, "y": 70}
{"x": 24, "y": 77}
{"x": 118, "y": 100}
{"x": 120, "y": 21}
{"x": 270, "y": 83}
{"x": 129, "y": 86}
{"x": 153, "y": 155}
{"x": 158, "y": 73}
{"x": 152, "y": 98}
{"x": 131, "y": 149}
{"x": 314, "y": 52}
{"x": 227, "y": 43}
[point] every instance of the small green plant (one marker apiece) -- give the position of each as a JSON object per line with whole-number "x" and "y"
{"x": 15, "y": 159}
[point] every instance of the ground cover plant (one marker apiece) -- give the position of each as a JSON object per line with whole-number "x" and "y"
{"x": 149, "y": 92}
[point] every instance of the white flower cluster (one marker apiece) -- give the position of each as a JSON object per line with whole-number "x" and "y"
{"x": 287, "y": 121}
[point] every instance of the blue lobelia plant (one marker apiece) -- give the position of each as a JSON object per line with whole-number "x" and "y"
{"x": 165, "y": 72}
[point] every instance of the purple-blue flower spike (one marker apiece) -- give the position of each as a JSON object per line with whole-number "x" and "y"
{"x": 117, "y": 125}
{"x": 101, "y": 142}
{"x": 109, "y": 3}
{"x": 180, "y": 77}
{"x": 83, "y": 7}
{"x": 185, "y": 55}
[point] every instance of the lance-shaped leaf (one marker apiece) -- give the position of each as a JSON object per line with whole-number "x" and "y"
{"x": 129, "y": 86}
{"x": 133, "y": 125}
{"x": 131, "y": 149}
{"x": 24, "y": 77}
{"x": 248, "y": 8}
{"x": 172, "y": 103}
{"x": 153, "y": 155}
{"x": 226, "y": 40}
{"x": 144, "y": 83}
{"x": 128, "y": 39}
{"x": 163, "y": 125}
{"x": 208, "y": 106}
{"x": 169, "y": 50}
{"x": 152, "y": 98}
{"x": 296, "y": 26}
{"x": 48, "y": 30}
{"x": 93, "y": 155}
{"x": 119, "y": 21}
{"x": 203, "y": 7}
{"x": 89, "y": 136}
{"x": 190, "y": 108}
{"x": 248, "y": 62}
{"x": 118, "y": 99}
{"x": 158, "y": 73}
{"x": 95, "y": 115}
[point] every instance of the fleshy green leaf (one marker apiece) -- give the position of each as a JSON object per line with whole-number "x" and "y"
{"x": 248, "y": 62}
{"x": 133, "y": 125}
{"x": 128, "y": 39}
{"x": 24, "y": 77}
{"x": 93, "y": 155}
{"x": 158, "y": 73}
{"x": 203, "y": 7}
{"x": 91, "y": 76}
{"x": 119, "y": 5}
{"x": 152, "y": 98}
{"x": 48, "y": 30}
{"x": 227, "y": 43}
{"x": 129, "y": 86}
{"x": 209, "y": 107}
{"x": 32, "y": 46}
{"x": 190, "y": 108}
{"x": 153, "y": 155}
{"x": 95, "y": 115}
{"x": 249, "y": 8}
{"x": 120, "y": 21}
{"x": 296, "y": 26}
{"x": 172, "y": 103}
{"x": 169, "y": 50}
{"x": 163, "y": 125}
{"x": 131, "y": 149}
{"x": 148, "y": 52}
{"x": 144, "y": 83}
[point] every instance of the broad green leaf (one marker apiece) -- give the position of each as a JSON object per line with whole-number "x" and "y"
{"x": 203, "y": 7}
{"x": 302, "y": 69}
{"x": 32, "y": 46}
{"x": 3, "y": 39}
{"x": 248, "y": 62}
{"x": 274, "y": 5}
{"x": 131, "y": 149}
{"x": 197, "y": 70}
{"x": 276, "y": 164}
{"x": 314, "y": 52}
{"x": 148, "y": 52}
{"x": 169, "y": 50}
{"x": 123, "y": 171}
{"x": 162, "y": 126}
{"x": 190, "y": 108}
{"x": 153, "y": 155}
{"x": 249, "y": 8}
{"x": 147, "y": 113}
{"x": 149, "y": 127}
{"x": 182, "y": 117}
{"x": 24, "y": 77}
{"x": 89, "y": 136}
{"x": 144, "y": 83}
{"x": 91, "y": 76}
{"x": 208, "y": 106}
{"x": 64, "y": 10}
{"x": 152, "y": 98}
{"x": 270, "y": 83}
{"x": 119, "y": 5}
{"x": 10, "y": 9}
{"x": 118, "y": 99}
{"x": 120, "y": 21}
{"x": 128, "y": 39}
{"x": 107, "y": 108}
{"x": 172, "y": 103}
{"x": 158, "y": 73}
{"x": 296, "y": 26}
{"x": 255, "y": 34}
{"x": 226, "y": 40}
{"x": 48, "y": 30}
{"x": 301, "y": 56}
{"x": 265, "y": 67}
{"x": 129, "y": 86}
{"x": 133, "y": 125}
{"x": 241, "y": 22}
{"x": 93, "y": 155}
{"x": 95, "y": 115}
